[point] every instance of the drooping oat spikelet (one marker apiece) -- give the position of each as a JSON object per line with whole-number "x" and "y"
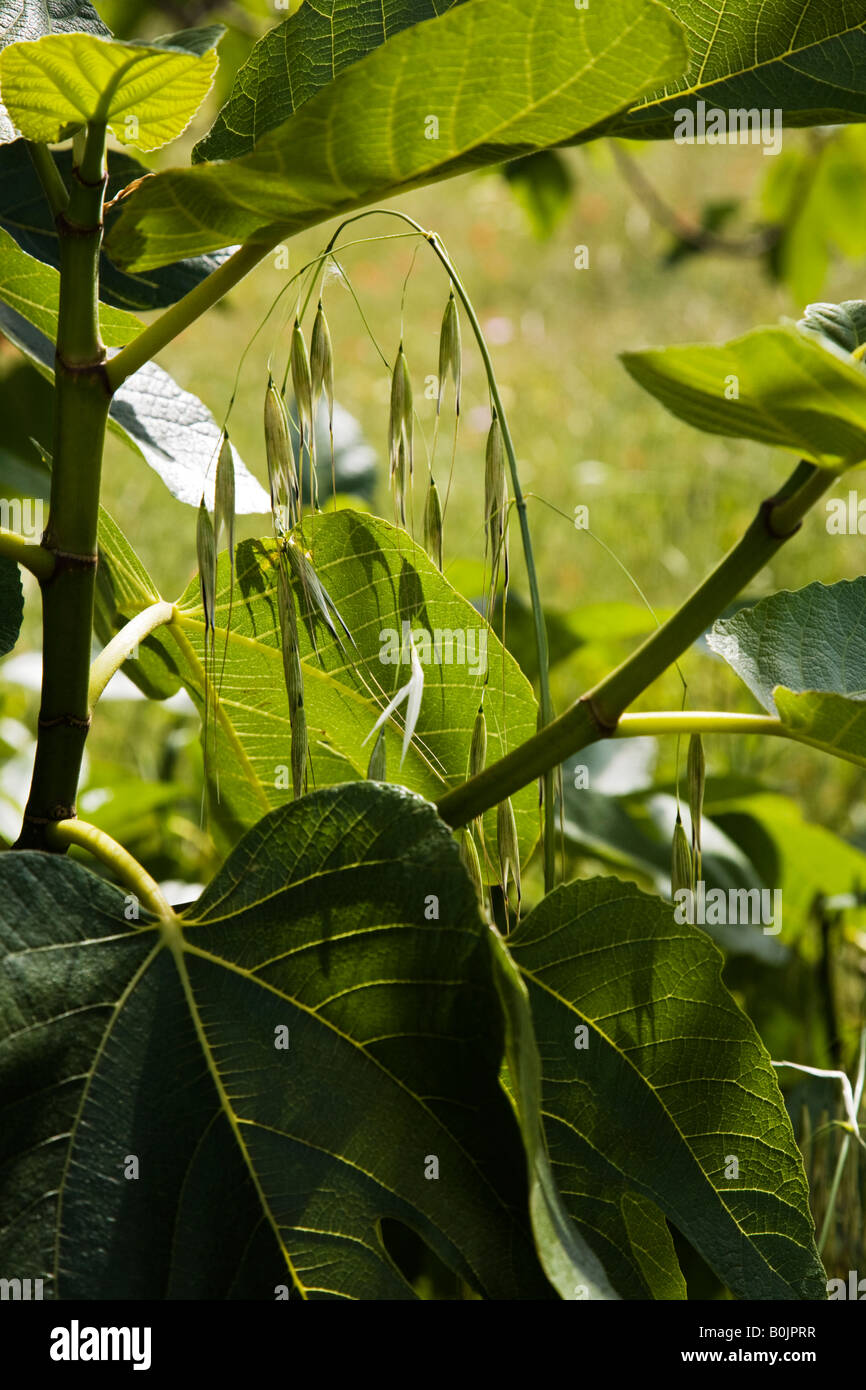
{"x": 224, "y": 521}
{"x": 224, "y": 496}
{"x": 681, "y": 860}
{"x": 302, "y": 384}
{"x": 282, "y": 474}
{"x": 478, "y": 743}
{"x": 506, "y": 844}
{"x": 472, "y": 865}
{"x": 205, "y": 546}
{"x": 450, "y": 353}
{"x": 495, "y": 495}
{"x": 697, "y": 775}
{"x": 401, "y": 431}
{"x": 294, "y": 682}
{"x": 318, "y": 600}
{"x": 322, "y": 371}
{"x": 398, "y": 483}
{"x": 377, "y": 768}
{"x": 433, "y": 523}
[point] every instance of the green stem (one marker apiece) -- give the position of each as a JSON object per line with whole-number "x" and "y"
{"x": 541, "y": 646}
{"x": 53, "y": 187}
{"x": 81, "y": 401}
{"x": 711, "y": 722}
{"x": 131, "y": 874}
{"x": 112, "y": 657}
{"x": 30, "y": 554}
{"x": 175, "y": 319}
{"x": 596, "y": 714}
{"x": 698, "y": 722}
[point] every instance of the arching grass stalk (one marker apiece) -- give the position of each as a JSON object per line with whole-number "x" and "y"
{"x": 545, "y": 700}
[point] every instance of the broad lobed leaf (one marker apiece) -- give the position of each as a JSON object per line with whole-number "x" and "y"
{"x": 260, "y": 1165}
{"x": 23, "y": 20}
{"x": 672, "y": 1083}
{"x": 480, "y": 84}
{"x": 806, "y": 58}
{"x": 293, "y": 61}
{"x": 11, "y": 604}
{"x": 146, "y": 93}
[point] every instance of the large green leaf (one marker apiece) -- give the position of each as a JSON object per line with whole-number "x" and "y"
{"x": 146, "y": 93}
{"x": 11, "y": 604}
{"x": 300, "y": 56}
{"x": 781, "y": 386}
{"x": 672, "y": 1084}
{"x": 806, "y": 59}
{"x": 260, "y": 1165}
{"x": 378, "y": 578}
{"x": 25, "y": 213}
{"x": 174, "y": 432}
{"x": 803, "y": 656}
{"x": 481, "y": 84}
{"x": 23, "y": 20}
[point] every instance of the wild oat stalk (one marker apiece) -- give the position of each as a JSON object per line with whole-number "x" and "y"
{"x": 224, "y": 522}
{"x": 205, "y": 545}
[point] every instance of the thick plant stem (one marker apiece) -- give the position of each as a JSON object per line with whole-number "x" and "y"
{"x": 596, "y": 714}
{"x": 127, "y": 869}
{"x": 81, "y": 401}
{"x": 698, "y": 722}
{"x": 30, "y": 554}
{"x": 175, "y": 319}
